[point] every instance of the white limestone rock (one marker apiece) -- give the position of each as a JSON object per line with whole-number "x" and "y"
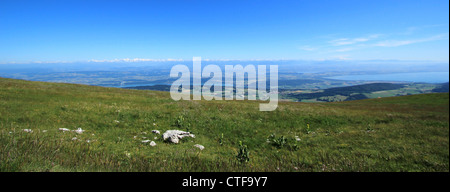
{"x": 79, "y": 131}
{"x": 201, "y": 147}
{"x": 174, "y": 136}
{"x": 64, "y": 129}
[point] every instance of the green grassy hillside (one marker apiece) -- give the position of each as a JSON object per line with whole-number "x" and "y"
{"x": 409, "y": 133}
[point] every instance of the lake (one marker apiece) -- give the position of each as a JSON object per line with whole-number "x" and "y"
{"x": 422, "y": 77}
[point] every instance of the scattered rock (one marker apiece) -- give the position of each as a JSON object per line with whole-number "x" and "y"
{"x": 115, "y": 121}
{"x": 64, "y": 129}
{"x": 145, "y": 141}
{"x": 201, "y": 147}
{"x": 74, "y": 139}
{"x": 174, "y": 136}
{"x": 152, "y": 144}
{"x": 44, "y": 131}
{"x": 28, "y": 130}
{"x": 156, "y": 132}
{"x": 79, "y": 131}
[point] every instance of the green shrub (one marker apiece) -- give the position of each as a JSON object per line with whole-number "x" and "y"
{"x": 182, "y": 124}
{"x": 243, "y": 153}
{"x": 221, "y": 140}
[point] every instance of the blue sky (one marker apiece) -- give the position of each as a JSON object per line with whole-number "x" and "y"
{"x": 48, "y": 31}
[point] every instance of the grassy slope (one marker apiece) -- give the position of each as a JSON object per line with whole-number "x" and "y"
{"x": 408, "y": 133}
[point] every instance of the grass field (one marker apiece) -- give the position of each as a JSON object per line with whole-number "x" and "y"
{"x": 408, "y": 133}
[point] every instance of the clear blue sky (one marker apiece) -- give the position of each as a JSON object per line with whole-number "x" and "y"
{"x": 79, "y": 30}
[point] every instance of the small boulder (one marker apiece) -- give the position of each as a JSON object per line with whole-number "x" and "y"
{"x": 64, "y": 129}
{"x": 79, "y": 131}
{"x": 201, "y": 147}
{"x": 174, "y": 136}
